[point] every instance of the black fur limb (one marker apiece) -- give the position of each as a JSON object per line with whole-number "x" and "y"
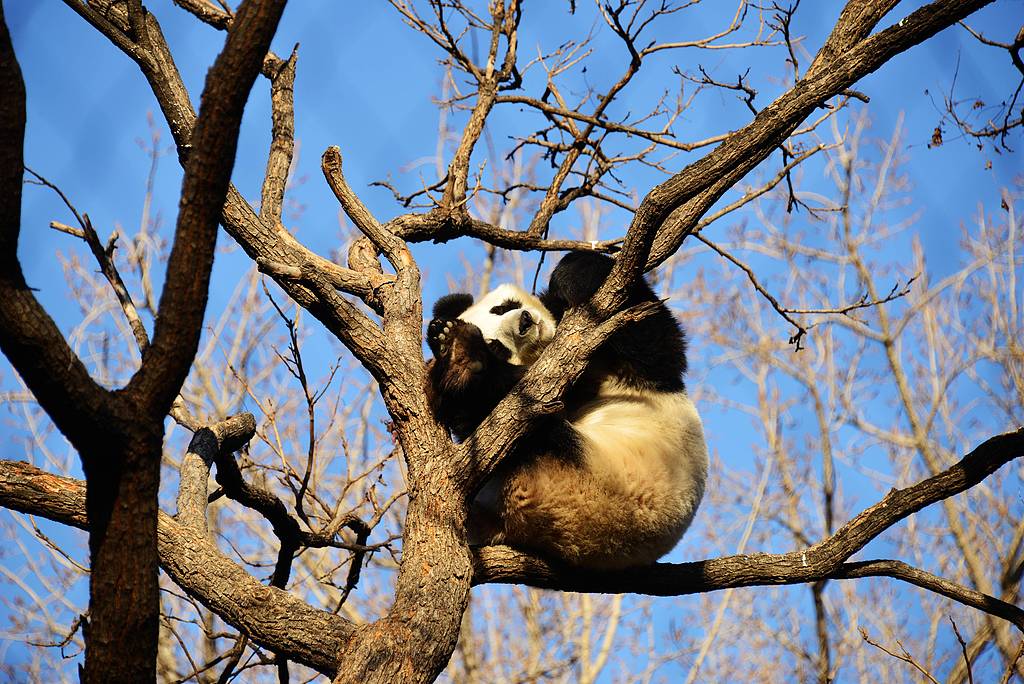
{"x": 466, "y": 379}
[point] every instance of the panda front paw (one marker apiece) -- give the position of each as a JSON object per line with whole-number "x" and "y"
{"x": 439, "y": 335}
{"x": 457, "y": 343}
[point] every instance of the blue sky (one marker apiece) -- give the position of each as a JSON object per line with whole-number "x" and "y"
{"x": 366, "y": 83}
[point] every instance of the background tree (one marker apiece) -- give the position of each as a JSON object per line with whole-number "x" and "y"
{"x": 900, "y": 372}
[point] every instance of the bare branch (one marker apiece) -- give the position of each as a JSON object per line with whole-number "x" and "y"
{"x": 207, "y": 12}
{"x": 939, "y": 585}
{"x": 207, "y": 174}
{"x": 282, "y": 143}
{"x": 662, "y": 137}
{"x": 963, "y": 649}
{"x": 392, "y": 248}
{"x": 823, "y": 560}
{"x": 801, "y": 331}
{"x": 419, "y": 228}
{"x": 207, "y": 445}
{"x": 260, "y": 239}
{"x": 271, "y": 617}
{"x": 903, "y": 655}
{"x": 1012, "y": 668}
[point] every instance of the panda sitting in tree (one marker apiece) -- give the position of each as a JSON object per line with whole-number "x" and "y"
{"x": 614, "y": 479}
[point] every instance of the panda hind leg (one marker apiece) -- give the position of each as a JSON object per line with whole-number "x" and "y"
{"x": 539, "y": 507}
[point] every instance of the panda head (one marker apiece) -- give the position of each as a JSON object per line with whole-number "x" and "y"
{"x": 516, "y": 325}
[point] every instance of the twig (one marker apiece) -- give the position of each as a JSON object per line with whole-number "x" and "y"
{"x": 796, "y": 338}
{"x": 184, "y": 647}
{"x": 963, "y": 649}
{"x": 234, "y": 655}
{"x": 362, "y": 531}
{"x": 298, "y": 371}
{"x": 1012, "y": 668}
{"x": 895, "y": 293}
{"x": 904, "y": 656}
{"x": 80, "y": 622}
{"x": 104, "y": 255}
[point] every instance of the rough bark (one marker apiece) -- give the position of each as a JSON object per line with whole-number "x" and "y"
{"x": 119, "y": 434}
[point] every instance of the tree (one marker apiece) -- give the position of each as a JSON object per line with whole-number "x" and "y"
{"x": 588, "y": 140}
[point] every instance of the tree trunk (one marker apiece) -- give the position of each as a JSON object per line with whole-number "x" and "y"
{"x": 124, "y": 597}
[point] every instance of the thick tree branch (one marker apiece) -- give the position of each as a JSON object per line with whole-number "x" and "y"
{"x": 207, "y": 174}
{"x": 826, "y": 559}
{"x": 28, "y": 489}
{"x": 388, "y": 648}
{"x": 28, "y": 336}
{"x": 271, "y": 617}
{"x": 208, "y": 445}
{"x": 282, "y": 142}
{"x": 267, "y": 614}
{"x": 856, "y": 21}
{"x": 423, "y": 227}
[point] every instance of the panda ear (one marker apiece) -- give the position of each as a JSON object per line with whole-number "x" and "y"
{"x": 450, "y": 306}
{"x": 575, "y": 279}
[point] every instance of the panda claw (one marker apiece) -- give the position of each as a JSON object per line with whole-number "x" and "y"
{"x": 444, "y": 339}
{"x": 439, "y": 336}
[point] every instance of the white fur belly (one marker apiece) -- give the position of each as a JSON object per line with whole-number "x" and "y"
{"x": 646, "y": 464}
{"x": 650, "y": 448}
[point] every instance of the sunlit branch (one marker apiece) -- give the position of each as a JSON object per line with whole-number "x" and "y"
{"x": 282, "y": 144}
{"x": 823, "y": 560}
{"x": 104, "y": 255}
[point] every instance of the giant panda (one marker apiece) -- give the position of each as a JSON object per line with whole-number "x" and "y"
{"x": 614, "y": 479}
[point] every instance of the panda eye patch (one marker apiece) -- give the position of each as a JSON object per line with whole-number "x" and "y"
{"x": 506, "y": 306}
